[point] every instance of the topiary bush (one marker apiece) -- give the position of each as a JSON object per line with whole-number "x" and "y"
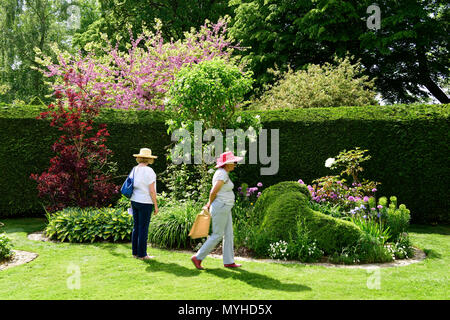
{"x": 89, "y": 225}
{"x": 272, "y": 192}
{"x": 281, "y": 207}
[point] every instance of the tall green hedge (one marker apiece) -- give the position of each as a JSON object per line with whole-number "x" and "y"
{"x": 409, "y": 145}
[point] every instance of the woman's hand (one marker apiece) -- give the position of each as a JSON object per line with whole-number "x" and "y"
{"x": 155, "y": 212}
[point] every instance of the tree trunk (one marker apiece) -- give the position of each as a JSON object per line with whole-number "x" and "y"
{"x": 426, "y": 80}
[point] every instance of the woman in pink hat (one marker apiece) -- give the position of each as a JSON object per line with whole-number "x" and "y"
{"x": 221, "y": 200}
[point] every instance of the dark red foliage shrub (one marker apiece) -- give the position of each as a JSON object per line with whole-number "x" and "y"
{"x": 78, "y": 175}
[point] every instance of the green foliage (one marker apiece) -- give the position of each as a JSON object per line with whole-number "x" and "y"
{"x": 123, "y": 203}
{"x": 89, "y": 225}
{"x": 6, "y": 252}
{"x": 187, "y": 182}
{"x": 266, "y": 198}
{"x": 177, "y": 17}
{"x": 402, "y": 248}
{"x": 304, "y": 248}
{"x": 170, "y": 227}
{"x": 29, "y": 25}
{"x": 333, "y": 210}
{"x": 208, "y": 91}
{"x": 320, "y": 86}
{"x": 351, "y": 162}
{"x": 371, "y": 249}
{"x": 397, "y": 219}
{"x": 280, "y": 208}
{"x": 373, "y": 228}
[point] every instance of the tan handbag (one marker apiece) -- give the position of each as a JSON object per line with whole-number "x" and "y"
{"x": 200, "y": 228}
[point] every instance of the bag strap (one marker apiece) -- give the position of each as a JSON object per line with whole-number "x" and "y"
{"x": 132, "y": 172}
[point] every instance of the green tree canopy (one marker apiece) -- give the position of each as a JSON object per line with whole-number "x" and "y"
{"x": 409, "y": 52}
{"x": 26, "y": 25}
{"x": 177, "y": 16}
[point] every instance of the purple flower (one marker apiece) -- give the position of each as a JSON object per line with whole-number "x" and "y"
{"x": 379, "y": 215}
{"x": 357, "y": 198}
{"x": 379, "y": 206}
{"x": 259, "y": 184}
{"x": 258, "y": 195}
{"x": 240, "y": 188}
{"x": 351, "y": 198}
{"x": 365, "y": 217}
{"x": 362, "y": 206}
{"x": 322, "y": 200}
{"x": 300, "y": 181}
{"x": 366, "y": 199}
{"x": 373, "y": 209}
{"x": 374, "y": 190}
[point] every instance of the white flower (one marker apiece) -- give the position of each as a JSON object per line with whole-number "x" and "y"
{"x": 329, "y": 162}
{"x": 239, "y": 119}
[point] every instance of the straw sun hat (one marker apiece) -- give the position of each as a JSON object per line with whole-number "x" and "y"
{"x": 145, "y": 153}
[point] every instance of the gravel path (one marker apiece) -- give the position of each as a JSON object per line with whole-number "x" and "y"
{"x": 20, "y": 257}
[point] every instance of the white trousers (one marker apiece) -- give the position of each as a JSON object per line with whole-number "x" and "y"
{"x": 222, "y": 228}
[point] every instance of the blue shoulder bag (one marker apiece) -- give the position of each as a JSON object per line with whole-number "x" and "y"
{"x": 127, "y": 187}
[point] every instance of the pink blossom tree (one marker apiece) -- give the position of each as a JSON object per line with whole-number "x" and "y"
{"x": 140, "y": 77}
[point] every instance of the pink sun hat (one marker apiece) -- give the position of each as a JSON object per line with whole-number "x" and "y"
{"x": 227, "y": 157}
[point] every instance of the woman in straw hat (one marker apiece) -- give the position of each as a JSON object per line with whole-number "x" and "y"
{"x": 221, "y": 200}
{"x": 143, "y": 201}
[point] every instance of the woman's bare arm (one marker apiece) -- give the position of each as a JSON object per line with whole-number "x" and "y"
{"x": 153, "y": 196}
{"x": 214, "y": 191}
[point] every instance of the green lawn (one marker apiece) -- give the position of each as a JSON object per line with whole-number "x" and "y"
{"x": 107, "y": 271}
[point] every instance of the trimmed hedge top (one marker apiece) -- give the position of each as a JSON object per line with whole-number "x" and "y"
{"x": 387, "y": 112}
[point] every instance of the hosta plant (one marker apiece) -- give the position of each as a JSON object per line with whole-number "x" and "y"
{"x": 90, "y": 225}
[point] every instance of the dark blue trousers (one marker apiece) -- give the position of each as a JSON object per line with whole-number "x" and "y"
{"x": 141, "y": 216}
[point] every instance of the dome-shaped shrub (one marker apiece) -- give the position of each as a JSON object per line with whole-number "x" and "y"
{"x": 283, "y": 206}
